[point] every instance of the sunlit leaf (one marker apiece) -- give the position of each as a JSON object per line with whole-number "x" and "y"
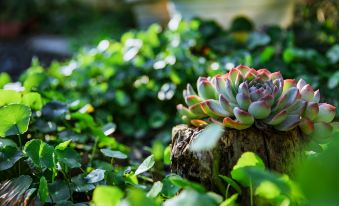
{"x": 147, "y": 164}
{"x": 14, "y": 119}
{"x": 247, "y": 159}
{"x": 155, "y": 190}
{"x": 107, "y": 196}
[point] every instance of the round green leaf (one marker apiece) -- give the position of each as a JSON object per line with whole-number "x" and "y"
{"x": 33, "y": 100}
{"x": 247, "y": 159}
{"x": 107, "y": 196}
{"x": 14, "y": 119}
{"x": 9, "y": 97}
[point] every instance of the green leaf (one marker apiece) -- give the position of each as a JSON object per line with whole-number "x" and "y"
{"x": 169, "y": 189}
{"x": 81, "y": 185}
{"x": 95, "y": 176}
{"x": 167, "y": 155}
{"x": 59, "y": 192}
{"x": 230, "y": 201}
{"x": 247, "y": 159}
{"x": 33, "y": 100}
{"x": 107, "y": 196}
{"x": 207, "y": 139}
{"x": 190, "y": 198}
{"x": 147, "y": 164}
{"x": 69, "y": 157}
{"x": 63, "y": 145}
{"x": 186, "y": 184}
{"x": 267, "y": 190}
{"x": 114, "y": 154}
{"x": 40, "y": 153}
{"x": 9, "y": 155}
{"x": 231, "y": 182}
{"x": 155, "y": 190}
{"x": 43, "y": 190}
{"x": 14, "y": 119}
{"x": 9, "y": 97}
{"x": 137, "y": 197}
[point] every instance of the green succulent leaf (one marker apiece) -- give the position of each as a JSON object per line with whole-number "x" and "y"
{"x": 206, "y": 89}
{"x": 259, "y": 109}
{"x": 213, "y": 109}
{"x": 243, "y": 116}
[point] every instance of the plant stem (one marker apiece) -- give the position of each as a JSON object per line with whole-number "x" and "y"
{"x": 251, "y": 193}
{"x": 20, "y": 145}
{"x": 227, "y": 189}
{"x": 94, "y": 150}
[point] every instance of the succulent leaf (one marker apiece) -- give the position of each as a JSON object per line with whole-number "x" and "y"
{"x": 316, "y": 97}
{"x": 312, "y": 110}
{"x": 264, "y": 74}
{"x": 189, "y": 90}
{"x": 251, "y": 74}
{"x": 306, "y": 126}
{"x": 275, "y": 119}
{"x": 213, "y": 109}
{"x": 243, "y": 100}
{"x": 196, "y": 110}
{"x": 192, "y": 99}
{"x": 229, "y": 92}
{"x": 289, "y": 123}
{"x": 259, "y": 109}
{"x": 206, "y": 89}
{"x": 298, "y": 107}
{"x": 198, "y": 123}
{"x": 301, "y": 83}
{"x": 228, "y": 122}
{"x": 243, "y": 69}
{"x": 225, "y": 104}
{"x": 288, "y": 98}
{"x": 326, "y": 113}
{"x": 307, "y": 93}
{"x": 243, "y": 116}
{"x": 288, "y": 83}
{"x": 275, "y": 75}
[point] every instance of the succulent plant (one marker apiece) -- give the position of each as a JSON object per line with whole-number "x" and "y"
{"x": 245, "y": 96}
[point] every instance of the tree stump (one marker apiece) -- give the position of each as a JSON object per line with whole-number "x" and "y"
{"x": 277, "y": 149}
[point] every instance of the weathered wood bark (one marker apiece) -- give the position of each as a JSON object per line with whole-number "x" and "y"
{"x": 277, "y": 149}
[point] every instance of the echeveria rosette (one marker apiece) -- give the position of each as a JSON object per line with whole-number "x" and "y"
{"x": 244, "y": 96}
